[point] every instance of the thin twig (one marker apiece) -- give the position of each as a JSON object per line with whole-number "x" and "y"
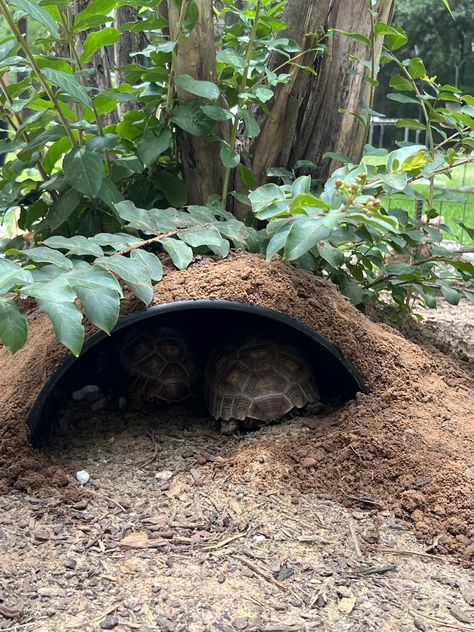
{"x": 263, "y": 572}
{"x": 354, "y": 538}
{"x": 417, "y": 553}
{"x": 146, "y": 242}
{"x": 222, "y": 543}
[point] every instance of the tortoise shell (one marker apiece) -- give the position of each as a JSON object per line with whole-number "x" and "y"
{"x": 260, "y": 380}
{"x": 158, "y": 362}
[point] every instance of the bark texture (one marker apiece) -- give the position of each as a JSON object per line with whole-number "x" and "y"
{"x": 306, "y": 121}
{"x": 202, "y": 167}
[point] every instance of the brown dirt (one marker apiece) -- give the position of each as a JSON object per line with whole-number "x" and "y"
{"x": 407, "y": 447}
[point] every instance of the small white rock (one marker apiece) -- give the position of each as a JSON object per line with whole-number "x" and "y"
{"x": 82, "y": 477}
{"x": 164, "y": 475}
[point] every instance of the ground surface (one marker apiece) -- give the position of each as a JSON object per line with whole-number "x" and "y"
{"x": 360, "y": 519}
{"x": 210, "y": 549}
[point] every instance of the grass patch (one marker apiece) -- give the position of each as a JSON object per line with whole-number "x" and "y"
{"x": 450, "y": 200}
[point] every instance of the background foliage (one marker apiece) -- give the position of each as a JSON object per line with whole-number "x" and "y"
{"x": 95, "y": 176}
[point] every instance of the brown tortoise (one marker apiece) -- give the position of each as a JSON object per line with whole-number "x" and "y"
{"x": 246, "y": 381}
{"x": 159, "y": 363}
{"x": 257, "y": 380}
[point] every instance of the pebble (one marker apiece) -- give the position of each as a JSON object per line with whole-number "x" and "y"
{"x": 109, "y": 622}
{"x": 164, "y": 475}
{"x": 221, "y": 578}
{"x": 82, "y": 477}
{"x": 70, "y": 563}
{"x": 241, "y": 623}
{"x": 308, "y": 462}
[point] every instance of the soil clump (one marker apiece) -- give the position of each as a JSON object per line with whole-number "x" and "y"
{"x": 406, "y": 447}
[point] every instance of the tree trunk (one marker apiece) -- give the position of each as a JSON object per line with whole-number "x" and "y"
{"x": 306, "y": 121}
{"x": 202, "y": 167}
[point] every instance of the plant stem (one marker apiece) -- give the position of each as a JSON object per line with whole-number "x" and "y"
{"x": 25, "y": 134}
{"x": 242, "y": 86}
{"x": 75, "y": 55}
{"x": 174, "y": 60}
{"x": 29, "y": 55}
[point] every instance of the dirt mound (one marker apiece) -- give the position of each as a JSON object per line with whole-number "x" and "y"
{"x": 407, "y": 446}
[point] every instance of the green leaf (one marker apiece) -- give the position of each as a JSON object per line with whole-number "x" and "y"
{"x": 41, "y": 254}
{"x": 84, "y": 170}
{"x": 38, "y": 14}
{"x": 190, "y": 117}
{"x": 60, "y": 211}
{"x": 451, "y": 295}
{"x": 301, "y": 185}
{"x": 77, "y": 245}
{"x": 230, "y": 159}
{"x": 92, "y": 278}
{"x": 68, "y": 84}
{"x": 180, "y": 253}
{"x": 142, "y": 292}
{"x": 57, "y": 290}
{"x": 118, "y": 241}
{"x": 138, "y": 218}
{"x": 329, "y": 253}
{"x": 152, "y": 144}
{"x": 12, "y": 274}
{"x": 416, "y": 68}
{"x": 263, "y": 94}
{"x": 109, "y": 193}
{"x": 251, "y": 125}
{"x": 150, "y": 261}
{"x": 400, "y": 83}
{"x": 13, "y": 326}
{"x": 446, "y": 4}
{"x": 397, "y": 181}
{"x": 102, "y": 307}
{"x": 401, "y": 98}
{"x": 131, "y": 271}
{"x": 395, "y": 38}
{"x": 195, "y": 237}
{"x": 67, "y": 323}
{"x": 55, "y": 152}
{"x": 306, "y": 232}
{"x": 264, "y": 196}
{"x": 96, "y": 40}
{"x": 351, "y": 289}
{"x": 410, "y": 123}
{"x": 216, "y": 113}
{"x": 205, "y": 89}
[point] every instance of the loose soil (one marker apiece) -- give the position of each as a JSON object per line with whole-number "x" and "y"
{"x": 306, "y": 524}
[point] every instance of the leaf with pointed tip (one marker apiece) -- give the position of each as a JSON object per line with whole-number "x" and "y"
{"x": 98, "y": 39}
{"x": 152, "y": 144}
{"x": 205, "y": 89}
{"x": 68, "y": 84}
{"x": 138, "y": 218}
{"x": 67, "y": 323}
{"x": 13, "y": 326}
{"x": 77, "y": 245}
{"x": 102, "y": 307}
{"x": 180, "y": 253}
{"x": 150, "y": 261}
{"x": 84, "y": 170}
{"x": 38, "y": 14}
{"x": 42, "y": 254}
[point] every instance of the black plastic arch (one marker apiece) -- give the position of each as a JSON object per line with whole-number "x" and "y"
{"x": 338, "y": 380}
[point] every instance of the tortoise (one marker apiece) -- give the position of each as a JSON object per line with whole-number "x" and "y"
{"x": 257, "y": 380}
{"x": 158, "y": 362}
{"x": 246, "y": 381}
